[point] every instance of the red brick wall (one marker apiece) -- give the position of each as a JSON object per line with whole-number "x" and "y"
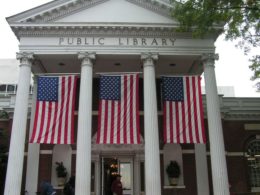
{"x": 45, "y": 165}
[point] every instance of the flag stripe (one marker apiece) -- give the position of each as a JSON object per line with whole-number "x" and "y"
{"x": 121, "y": 121}
{"x": 183, "y": 115}
{"x": 54, "y": 119}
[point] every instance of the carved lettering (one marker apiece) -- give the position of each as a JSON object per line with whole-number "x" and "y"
{"x": 117, "y": 41}
{"x": 70, "y": 41}
{"x": 61, "y": 40}
{"x": 172, "y": 41}
{"x": 86, "y": 41}
{"x": 78, "y": 41}
{"x": 154, "y": 42}
{"x": 144, "y": 41}
{"x": 101, "y": 41}
{"x": 135, "y": 41}
{"x": 164, "y": 42}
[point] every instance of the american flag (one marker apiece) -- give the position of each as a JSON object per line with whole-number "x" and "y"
{"x": 183, "y": 110}
{"x": 54, "y": 114}
{"x": 118, "y": 121}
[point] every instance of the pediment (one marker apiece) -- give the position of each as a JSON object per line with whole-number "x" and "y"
{"x": 95, "y": 11}
{"x": 118, "y": 11}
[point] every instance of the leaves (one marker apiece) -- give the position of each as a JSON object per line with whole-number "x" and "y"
{"x": 239, "y": 20}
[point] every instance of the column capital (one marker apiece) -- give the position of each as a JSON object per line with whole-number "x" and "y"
{"x": 208, "y": 59}
{"x": 149, "y": 58}
{"x": 87, "y": 58}
{"x": 25, "y": 58}
{"x": 153, "y": 56}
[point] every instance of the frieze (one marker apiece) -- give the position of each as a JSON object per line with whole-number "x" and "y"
{"x": 117, "y": 41}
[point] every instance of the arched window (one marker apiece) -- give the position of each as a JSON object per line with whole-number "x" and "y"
{"x": 253, "y": 162}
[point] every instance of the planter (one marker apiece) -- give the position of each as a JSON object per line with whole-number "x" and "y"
{"x": 173, "y": 181}
{"x": 61, "y": 181}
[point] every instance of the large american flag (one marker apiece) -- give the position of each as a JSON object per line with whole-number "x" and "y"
{"x": 183, "y": 110}
{"x": 54, "y": 114}
{"x": 118, "y": 121}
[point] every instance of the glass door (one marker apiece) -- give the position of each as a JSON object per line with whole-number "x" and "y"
{"x": 126, "y": 171}
{"x": 110, "y": 168}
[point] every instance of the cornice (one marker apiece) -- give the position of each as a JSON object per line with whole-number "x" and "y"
{"x": 50, "y": 31}
{"x": 241, "y": 116}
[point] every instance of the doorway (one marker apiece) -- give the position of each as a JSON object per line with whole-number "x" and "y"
{"x": 110, "y": 167}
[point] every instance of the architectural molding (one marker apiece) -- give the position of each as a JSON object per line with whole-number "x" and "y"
{"x": 208, "y": 59}
{"x": 25, "y": 58}
{"x": 149, "y": 58}
{"x": 64, "y": 10}
{"x": 111, "y": 30}
{"x": 60, "y": 8}
{"x": 71, "y": 7}
{"x": 87, "y": 58}
{"x": 154, "y": 6}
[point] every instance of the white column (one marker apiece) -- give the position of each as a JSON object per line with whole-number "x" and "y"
{"x": 32, "y": 167}
{"x": 152, "y": 153}
{"x": 137, "y": 175}
{"x": 16, "y": 151}
{"x": 201, "y": 169}
{"x": 97, "y": 176}
{"x": 217, "y": 151}
{"x": 83, "y": 158}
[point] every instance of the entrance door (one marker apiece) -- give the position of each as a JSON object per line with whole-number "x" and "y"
{"x": 112, "y": 167}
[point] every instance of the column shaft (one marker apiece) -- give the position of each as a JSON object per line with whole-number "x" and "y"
{"x": 137, "y": 175}
{"x": 16, "y": 151}
{"x": 97, "y": 177}
{"x": 201, "y": 169}
{"x": 152, "y": 153}
{"x": 83, "y": 164}
{"x": 217, "y": 150}
{"x": 32, "y": 167}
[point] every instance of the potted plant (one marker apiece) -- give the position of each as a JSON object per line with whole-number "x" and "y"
{"x": 173, "y": 170}
{"x": 61, "y": 173}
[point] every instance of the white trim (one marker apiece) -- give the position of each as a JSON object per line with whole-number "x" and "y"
{"x": 191, "y": 151}
{"x": 255, "y": 189}
{"x": 174, "y": 187}
{"x": 254, "y": 127}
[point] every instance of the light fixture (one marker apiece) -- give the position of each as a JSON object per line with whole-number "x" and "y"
{"x": 61, "y": 64}
{"x": 117, "y": 64}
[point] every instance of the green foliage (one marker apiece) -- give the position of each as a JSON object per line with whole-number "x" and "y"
{"x": 240, "y": 18}
{"x": 173, "y": 169}
{"x": 61, "y": 170}
{"x": 3, "y": 114}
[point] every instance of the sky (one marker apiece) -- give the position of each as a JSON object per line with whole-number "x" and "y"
{"x": 231, "y": 68}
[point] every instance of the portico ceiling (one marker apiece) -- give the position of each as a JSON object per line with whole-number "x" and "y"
{"x": 166, "y": 65}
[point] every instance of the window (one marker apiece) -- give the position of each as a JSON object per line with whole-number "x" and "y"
{"x": 2, "y": 88}
{"x": 11, "y": 88}
{"x": 1, "y": 131}
{"x": 253, "y": 161}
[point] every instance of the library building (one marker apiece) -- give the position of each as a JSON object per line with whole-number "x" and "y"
{"x": 109, "y": 96}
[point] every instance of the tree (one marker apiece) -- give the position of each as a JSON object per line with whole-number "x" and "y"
{"x": 240, "y": 20}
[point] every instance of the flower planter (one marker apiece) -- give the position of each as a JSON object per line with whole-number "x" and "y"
{"x": 61, "y": 181}
{"x": 173, "y": 181}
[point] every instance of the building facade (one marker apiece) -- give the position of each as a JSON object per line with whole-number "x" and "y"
{"x": 95, "y": 37}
